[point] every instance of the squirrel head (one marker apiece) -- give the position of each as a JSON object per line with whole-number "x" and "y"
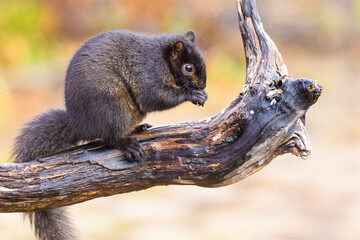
{"x": 186, "y": 62}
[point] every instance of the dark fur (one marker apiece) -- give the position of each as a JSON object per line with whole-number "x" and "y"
{"x": 112, "y": 82}
{"x": 117, "y": 77}
{"x": 48, "y": 133}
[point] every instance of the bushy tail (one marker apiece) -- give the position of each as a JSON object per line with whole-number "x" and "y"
{"x": 51, "y": 224}
{"x": 47, "y": 134}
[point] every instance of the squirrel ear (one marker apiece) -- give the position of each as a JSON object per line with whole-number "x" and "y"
{"x": 190, "y": 35}
{"x": 176, "y": 49}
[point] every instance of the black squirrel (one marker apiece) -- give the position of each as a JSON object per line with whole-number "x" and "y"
{"x": 112, "y": 82}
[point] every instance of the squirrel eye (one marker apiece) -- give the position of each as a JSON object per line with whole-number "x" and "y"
{"x": 188, "y": 69}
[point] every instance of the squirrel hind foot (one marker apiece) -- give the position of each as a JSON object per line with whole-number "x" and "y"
{"x": 132, "y": 149}
{"x": 141, "y": 128}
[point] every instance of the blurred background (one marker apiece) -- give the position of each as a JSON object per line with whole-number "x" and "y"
{"x": 289, "y": 199}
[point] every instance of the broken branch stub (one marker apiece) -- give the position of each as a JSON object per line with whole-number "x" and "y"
{"x": 264, "y": 121}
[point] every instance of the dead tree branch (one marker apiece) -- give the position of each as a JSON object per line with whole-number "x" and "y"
{"x": 264, "y": 121}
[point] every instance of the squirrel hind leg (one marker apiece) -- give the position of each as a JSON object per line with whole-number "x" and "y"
{"x": 132, "y": 149}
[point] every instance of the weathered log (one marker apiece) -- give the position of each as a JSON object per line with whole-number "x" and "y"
{"x": 264, "y": 121}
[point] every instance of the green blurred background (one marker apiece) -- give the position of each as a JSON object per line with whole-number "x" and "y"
{"x": 289, "y": 199}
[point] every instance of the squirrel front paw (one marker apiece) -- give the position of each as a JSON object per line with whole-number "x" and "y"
{"x": 198, "y": 97}
{"x": 132, "y": 149}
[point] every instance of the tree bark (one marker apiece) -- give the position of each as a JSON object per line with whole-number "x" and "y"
{"x": 264, "y": 121}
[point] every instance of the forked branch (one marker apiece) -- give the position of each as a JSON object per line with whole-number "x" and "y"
{"x": 264, "y": 121}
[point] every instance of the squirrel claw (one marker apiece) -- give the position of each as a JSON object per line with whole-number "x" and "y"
{"x": 199, "y": 97}
{"x": 141, "y": 128}
{"x": 132, "y": 149}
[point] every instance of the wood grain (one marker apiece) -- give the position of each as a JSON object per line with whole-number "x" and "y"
{"x": 264, "y": 121}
